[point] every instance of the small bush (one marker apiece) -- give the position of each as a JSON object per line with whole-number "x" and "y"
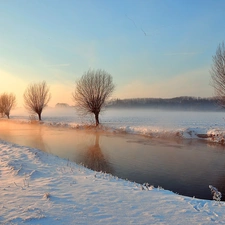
{"x": 32, "y": 118}
{"x": 216, "y": 194}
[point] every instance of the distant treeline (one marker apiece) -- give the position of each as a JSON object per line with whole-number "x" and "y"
{"x": 62, "y": 105}
{"x": 178, "y": 103}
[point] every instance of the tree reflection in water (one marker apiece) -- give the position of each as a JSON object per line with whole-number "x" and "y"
{"x": 95, "y": 159}
{"x": 37, "y": 138}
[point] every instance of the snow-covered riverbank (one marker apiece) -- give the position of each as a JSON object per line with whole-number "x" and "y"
{"x": 152, "y": 123}
{"x": 38, "y": 188}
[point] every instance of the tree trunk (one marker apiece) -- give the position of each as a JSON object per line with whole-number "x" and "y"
{"x": 39, "y": 116}
{"x": 7, "y": 114}
{"x": 97, "y": 119}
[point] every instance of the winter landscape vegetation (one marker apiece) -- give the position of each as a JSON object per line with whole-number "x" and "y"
{"x": 112, "y": 112}
{"x": 40, "y": 188}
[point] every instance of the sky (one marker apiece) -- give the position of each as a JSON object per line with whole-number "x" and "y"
{"x": 152, "y": 48}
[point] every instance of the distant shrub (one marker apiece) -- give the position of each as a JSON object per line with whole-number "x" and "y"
{"x": 46, "y": 195}
{"x": 32, "y": 118}
{"x": 146, "y": 186}
{"x": 216, "y": 194}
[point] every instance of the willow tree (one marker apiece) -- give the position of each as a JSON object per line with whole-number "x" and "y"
{"x": 218, "y": 74}
{"x": 7, "y": 102}
{"x": 36, "y": 97}
{"x": 92, "y": 91}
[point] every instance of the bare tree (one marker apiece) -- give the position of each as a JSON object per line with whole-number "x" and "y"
{"x": 1, "y": 110}
{"x": 92, "y": 91}
{"x": 36, "y": 97}
{"x": 218, "y": 74}
{"x": 7, "y": 102}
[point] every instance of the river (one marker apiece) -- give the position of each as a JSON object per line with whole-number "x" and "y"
{"x": 186, "y": 167}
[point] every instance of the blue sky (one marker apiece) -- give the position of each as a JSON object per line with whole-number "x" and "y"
{"x": 152, "y": 48}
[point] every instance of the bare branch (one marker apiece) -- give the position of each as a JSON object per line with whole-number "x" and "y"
{"x": 36, "y": 97}
{"x": 218, "y": 74}
{"x": 92, "y": 91}
{"x": 7, "y": 102}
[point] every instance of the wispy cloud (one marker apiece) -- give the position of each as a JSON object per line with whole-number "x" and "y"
{"x": 182, "y": 53}
{"x": 142, "y": 30}
{"x": 132, "y": 21}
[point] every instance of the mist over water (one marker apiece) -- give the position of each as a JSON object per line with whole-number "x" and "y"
{"x": 186, "y": 167}
{"x": 164, "y": 118}
{"x": 141, "y": 117}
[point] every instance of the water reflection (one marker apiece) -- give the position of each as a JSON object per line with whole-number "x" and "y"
{"x": 95, "y": 159}
{"x": 37, "y": 139}
{"x": 186, "y": 167}
{"x": 24, "y": 134}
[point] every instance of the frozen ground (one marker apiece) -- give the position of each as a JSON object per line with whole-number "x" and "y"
{"x": 166, "y": 124}
{"x": 38, "y": 188}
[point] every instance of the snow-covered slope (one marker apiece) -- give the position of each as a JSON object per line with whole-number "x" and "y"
{"x": 38, "y": 188}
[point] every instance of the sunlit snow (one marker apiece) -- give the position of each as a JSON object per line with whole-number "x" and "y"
{"x": 38, "y": 188}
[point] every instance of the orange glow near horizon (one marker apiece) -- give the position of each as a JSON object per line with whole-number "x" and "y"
{"x": 183, "y": 85}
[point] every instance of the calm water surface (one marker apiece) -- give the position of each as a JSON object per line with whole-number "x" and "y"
{"x": 185, "y": 167}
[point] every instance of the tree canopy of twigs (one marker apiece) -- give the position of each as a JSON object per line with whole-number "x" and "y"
{"x": 92, "y": 91}
{"x": 36, "y": 97}
{"x": 218, "y": 74}
{"x": 7, "y": 102}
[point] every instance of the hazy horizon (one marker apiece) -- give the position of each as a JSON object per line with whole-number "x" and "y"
{"x": 152, "y": 49}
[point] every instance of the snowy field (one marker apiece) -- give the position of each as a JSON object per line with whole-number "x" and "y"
{"x": 38, "y": 188}
{"x": 164, "y": 124}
